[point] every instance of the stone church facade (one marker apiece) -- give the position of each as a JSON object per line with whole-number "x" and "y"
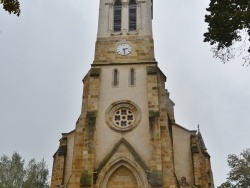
{"x": 126, "y": 135}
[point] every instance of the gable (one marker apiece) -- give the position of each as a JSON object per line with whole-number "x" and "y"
{"x": 122, "y": 149}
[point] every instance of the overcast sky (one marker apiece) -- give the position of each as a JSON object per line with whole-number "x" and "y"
{"x": 45, "y": 53}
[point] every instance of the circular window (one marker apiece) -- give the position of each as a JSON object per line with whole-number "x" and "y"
{"x": 123, "y": 116}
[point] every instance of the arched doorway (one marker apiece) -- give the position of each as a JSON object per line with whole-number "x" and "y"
{"x": 122, "y": 178}
{"x": 122, "y": 173}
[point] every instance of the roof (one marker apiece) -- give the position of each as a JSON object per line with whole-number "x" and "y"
{"x": 191, "y": 131}
{"x": 201, "y": 141}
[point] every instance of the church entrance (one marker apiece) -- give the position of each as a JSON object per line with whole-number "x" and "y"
{"x": 122, "y": 178}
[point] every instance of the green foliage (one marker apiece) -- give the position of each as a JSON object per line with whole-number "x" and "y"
{"x": 11, "y": 6}
{"x": 239, "y": 175}
{"x": 13, "y": 173}
{"x": 36, "y": 175}
{"x": 11, "y": 169}
{"x": 227, "y": 184}
{"x": 228, "y": 23}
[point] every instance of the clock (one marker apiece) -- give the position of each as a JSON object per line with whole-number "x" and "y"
{"x": 123, "y": 49}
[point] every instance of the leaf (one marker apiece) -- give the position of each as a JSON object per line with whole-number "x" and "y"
{"x": 11, "y": 6}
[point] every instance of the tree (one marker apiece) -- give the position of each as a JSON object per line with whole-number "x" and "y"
{"x": 36, "y": 175}
{"x": 239, "y": 175}
{"x": 229, "y": 29}
{"x": 11, "y": 6}
{"x": 13, "y": 173}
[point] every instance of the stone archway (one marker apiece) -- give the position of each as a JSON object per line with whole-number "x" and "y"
{"x": 122, "y": 173}
{"x": 122, "y": 178}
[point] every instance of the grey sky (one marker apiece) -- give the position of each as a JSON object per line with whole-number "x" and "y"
{"x": 45, "y": 53}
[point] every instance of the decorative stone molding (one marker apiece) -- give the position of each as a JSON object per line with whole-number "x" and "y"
{"x": 115, "y": 160}
{"x": 122, "y": 163}
{"x": 130, "y": 148}
{"x": 152, "y": 70}
{"x": 124, "y": 4}
{"x": 110, "y": 4}
{"x": 123, "y": 116}
{"x": 95, "y": 72}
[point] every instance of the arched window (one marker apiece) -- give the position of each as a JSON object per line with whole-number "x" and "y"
{"x": 115, "y": 79}
{"x": 132, "y": 77}
{"x": 132, "y": 15}
{"x": 117, "y": 15}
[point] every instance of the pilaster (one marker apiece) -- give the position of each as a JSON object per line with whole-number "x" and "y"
{"x": 162, "y": 162}
{"x": 84, "y": 152}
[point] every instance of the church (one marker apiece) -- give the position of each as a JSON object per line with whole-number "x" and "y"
{"x": 127, "y": 135}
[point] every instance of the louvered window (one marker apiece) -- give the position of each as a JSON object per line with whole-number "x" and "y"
{"x": 132, "y": 15}
{"x": 117, "y": 15}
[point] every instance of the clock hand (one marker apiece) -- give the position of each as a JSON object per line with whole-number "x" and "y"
{"x": 125, "y": 49}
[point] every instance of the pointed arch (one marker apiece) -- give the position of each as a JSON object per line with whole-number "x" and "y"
{"x": 122, "y": 162}
{"x": 132, "y": 15}
{"x": 131, "y": 149}
{"x": 117, "y": 16}
{"x": 122, "y": 177}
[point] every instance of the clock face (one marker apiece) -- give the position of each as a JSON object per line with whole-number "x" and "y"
{"x": 123, "y": 49}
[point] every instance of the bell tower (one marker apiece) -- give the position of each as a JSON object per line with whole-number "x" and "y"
{"x": 124, "y": 32}
{"x": 124, "y": 137}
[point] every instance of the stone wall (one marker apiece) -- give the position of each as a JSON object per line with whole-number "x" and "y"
{"x": 201, "y": 164}
{"x": 83, "y": 154}
{"x": 58, "y": 170}
{"x": 122, "y": 178}
{"x": 150, "y": 159}
{"x": 142, "y": 50}
{"x": 162, "y": 162}
{"x": 182, "y": 150}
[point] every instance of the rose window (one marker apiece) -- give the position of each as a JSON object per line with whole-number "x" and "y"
{"x": 123, "y": 117}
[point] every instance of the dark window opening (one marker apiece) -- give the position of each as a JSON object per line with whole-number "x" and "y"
{"x": 132, "y": 15}
{"x": 115, "y": 77}
{"x": 117, "y": 15}
{"x": 152, "y": 9}
{"x": 132, "y": 77}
